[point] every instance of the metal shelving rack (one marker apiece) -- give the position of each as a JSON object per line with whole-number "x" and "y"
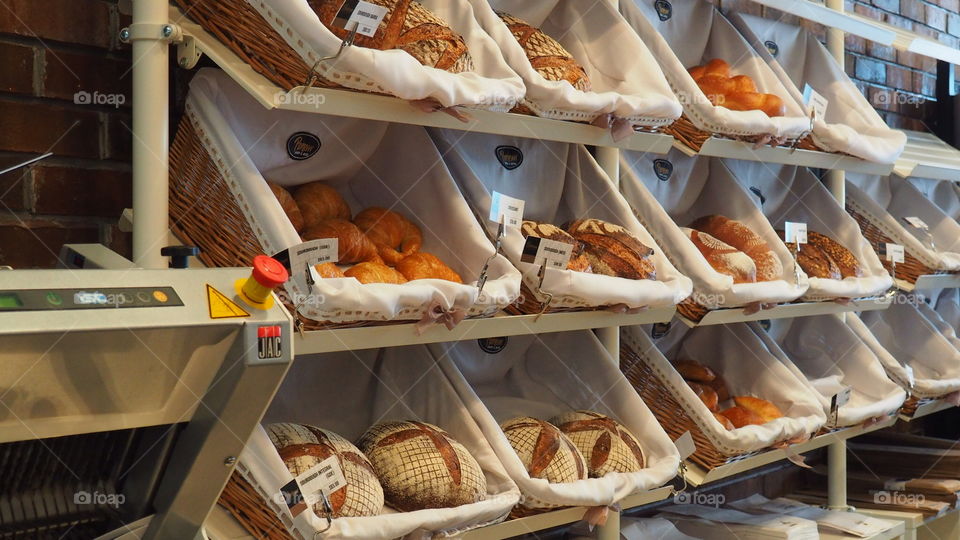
{"x": 156, "y": 26}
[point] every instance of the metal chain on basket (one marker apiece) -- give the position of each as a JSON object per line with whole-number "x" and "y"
{"x": 347, "y": 42}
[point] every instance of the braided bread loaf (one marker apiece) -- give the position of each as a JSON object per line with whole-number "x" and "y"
{"x": 407, "y": 26}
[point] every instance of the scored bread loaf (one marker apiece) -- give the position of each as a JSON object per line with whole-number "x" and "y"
{"x": 407, "y": 26}
{"x": 723, "y": 257}
{"x": 606, "y": 445}
{"x": 421, "y": 466}
{"x": 422, "y": 265}
{"x": 546, "y": 55}
{"x": 352, "y": 245}
{"x": 613, "y": 250}
{"x": 290, "y": 206}
{"x": 302, "y": 447}
{"x": 318, "y": 201}
{"x": 694, "y": 371}
{"x": 395, "y": 236}
{"x": 544, "y": 450}
{"x": 741, "y": 237}
{"x": 848, "y": 264}
{"x": 706, "y": 394}
{"x": 816, "y": 263}
{"x": 578, "y": 260}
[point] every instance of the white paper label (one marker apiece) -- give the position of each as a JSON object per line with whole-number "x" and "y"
{"x": 893, "y": 252}
{"x": 364, "y": 15}
{"x": 916, "y": 222}
{"x": 685, "y": 445}
{"x": 508, "y": 208}
{"x": 840, "y": 399}
{"x": 544, "y": 252}
{"x": 815, "y": 102}
{"x": 795, "y": 232}
{"x": 325, "y": 477}
{"x": 911, "y": 380}
{"x": 304, "y": 256}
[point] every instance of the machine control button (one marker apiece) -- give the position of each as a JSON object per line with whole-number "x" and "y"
{"x": 160, "y": 296}
{"x": 267, "y": 275}
{"x": 54, "y": 298}
{"x": 143, "y": 297}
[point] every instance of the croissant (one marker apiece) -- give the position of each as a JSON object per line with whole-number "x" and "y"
{"x": 329, "y": 270}
{"x": 354, "y": 246}
{"x": 318, "y": 201}
{"x": 290, "y": 207}
{"x": 395, "y": 236}
{"x": 374, "y": 272}
{"x": 426, "y": 266}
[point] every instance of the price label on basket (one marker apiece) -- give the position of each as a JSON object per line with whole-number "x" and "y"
{"x": 794, "y": 232}
{"x": 325, "y": 477}
{"x": 917, "y": 223}
{"x": 840, "y": 399}
{"x": 815, "y": 102}
{"x": 366, "y": 16}
{"x": 892, "y": 252}
{"x": 685, "y": 445}
{"x": 304, "y": 256}
{"x": 544, "y": 252}
{"x": 507, "y": 209}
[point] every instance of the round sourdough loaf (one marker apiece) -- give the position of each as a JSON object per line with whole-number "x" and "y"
{"x": 613, "y": 250}
{"x": 302, "y": 447}
{"x": 544, "y": 450}
{"x": 723, "y": 257}
{"x": 743, "y": 238}
{"x": 606, "y": 445}
{"x": 547, "y": 57}
{"x": 578, "y": 261}
{"x": 421, "y": 466}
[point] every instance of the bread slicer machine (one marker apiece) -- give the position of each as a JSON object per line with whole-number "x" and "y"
{"x": 129, "y": 392}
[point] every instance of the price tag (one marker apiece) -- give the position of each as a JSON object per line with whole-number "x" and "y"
{"x": 304, "y": 256}
{"x": 815, "y": 102}
{"x": 911, "y": 380}
{"x": 795, "y": 233}
{"x": 366, "y": 16}
{"x": 325, "y": 477}
{"x": 508, "y": 208}
{"x": 917, "y": 223}
{"x": 544, "y": 252}
{"x": 685, "y": 445}
{"x": 840, "y": 399}
{"x": 892, "y": 252}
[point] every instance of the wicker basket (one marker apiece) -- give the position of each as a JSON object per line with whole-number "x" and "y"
{"x": 245, "y": 504}
{"x": 686, "y": 132}
{"x": 670, "y": 413}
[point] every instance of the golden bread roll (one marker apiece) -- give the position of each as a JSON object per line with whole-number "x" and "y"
{"x": 761, "y": 407}
{"x": 724, "y": 421}
{"x": 723, "y": 257}
{"x": 329, "y": 270}
{"x": 740, "y": 417}
{"x": 374, "y": 272}
{"x": 743, "y": 83}
{"x": 407, "y": 26}
{"x": 318, "y": 201}
{"x": 720, "y": 386}
{"x": 773, "y": 105}
{"x": 546, "y": 55}
{"x": 696, "y": 72}
{"x": 613, "y": 250}
{"x": 706, "y": 394}
{"x": 717, "y": 66}
{"x": 544, "y": 450}
{"x": 422, "y": 265}
{"x": 606, "y": 445}
{"x": 395, "y": 236}
{"x": 353, "y": 246}
{"x": 578, "y": 260}
{"x": 715, "y": 88}
{"x": 743, "y": 238}
{"x": 848, "y": 264}
{"x": 290, "y": 207}
{"x": 743, "y": 101}
{"x": 694, "y": 371}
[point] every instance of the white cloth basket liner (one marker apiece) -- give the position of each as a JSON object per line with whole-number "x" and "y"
{"x": 943, "y": 193}
{"x": 736, "y": 353}
{"x": 401, "y": 383}
{"x": 541, "y": 378}
{"x": 901, "y": 335}
{"x": 698, "y": 186}
{"x": 573, "y": 187}
{"x": 493, "y": 85}
{"x": 852, "y": 125}
{"x": 829, "y": 356}
{"x": 368, "y": 164}
{"x": 787, "y": 193}
{"x": 628, "y": 85}
{"x": 885, "y": 201}
{"x": 695, "y": 33}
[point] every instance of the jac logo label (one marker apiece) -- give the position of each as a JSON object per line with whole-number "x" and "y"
{"x": 772, "y": 47}
{"x": 664, "y": 9}
{"x": 509, "y": 156}
{"x": 663, "y": 169}
{"x": 302, "y": 145}
{"x": 493, "y": 345}
{"x": 269, "y": 339}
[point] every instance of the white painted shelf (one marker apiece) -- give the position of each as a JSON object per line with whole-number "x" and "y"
{"x": 928, "y": 407}
{"x": 896, "y": 530}
{"x": 928, "y": 156}
{"x": 789, "y": 311}
{"x": 398, "y": 335}
{"x": 729, "y": 148}
{"x": 930, "y": 281}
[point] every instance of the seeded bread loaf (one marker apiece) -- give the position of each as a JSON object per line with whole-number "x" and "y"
{"x": 613, "y": 250}
{"x": 741, "y": 237}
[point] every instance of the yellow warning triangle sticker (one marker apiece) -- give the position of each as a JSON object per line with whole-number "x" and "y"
{"x": 222, "y": 307}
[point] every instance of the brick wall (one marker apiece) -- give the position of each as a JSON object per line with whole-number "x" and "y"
{"x": 50, "y": 50}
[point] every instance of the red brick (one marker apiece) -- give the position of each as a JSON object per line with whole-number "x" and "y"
{"x": 67, "y": 73}
{"x": 949, "y": 41}
{"x": 867, "y": 11}
{"x": 912, "y": 9}
{"x": 953, "y": 24}
{"x": 119, "y": 140}
{"x": 35, "y": 243}
{"x": 898, "y": 21}
{"x": 882, "y": 99}
{"x": 120, "y": 242}
{"x": 12, "y": 184}
{"x": 85, "y": 22}
{"x": 924, "y": 84}
{"x": 41, "y": 127}
{"x": 889, "y": 5}
{"x": 936, "y": 18}
{"x": 899, "y": 78}
{"x": 909, "y": 59}
{"x": 16, "y": 69}
{"x": 870, "y": 70}
{"x": 883, "y": 52}
{"x": 855, "y": 44}
{"x": 949, "y": 5}
{"x": 816, "y": 29}
{"x": 81, "y": 192}
{"x": 925, "y": 31}
{"x": 849, "y": 65}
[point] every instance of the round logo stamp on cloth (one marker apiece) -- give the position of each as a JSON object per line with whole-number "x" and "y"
{"x": 509, "y": 156}
{"x": 663, "y": 169}
{"x": 493, "y": 345}
{"x": 772, "y": 47}
{"x": 664, "y": 9}
{"x": 756, "y": 191}
{"x": 302, "y": 145}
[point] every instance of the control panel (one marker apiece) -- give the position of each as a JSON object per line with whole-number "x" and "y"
{"x": 88, "y": 298}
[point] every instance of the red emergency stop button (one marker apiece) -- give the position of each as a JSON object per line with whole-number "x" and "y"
{"x": 267, "y": 275}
